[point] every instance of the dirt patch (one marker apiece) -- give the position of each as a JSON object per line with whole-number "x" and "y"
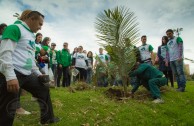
{"x": 81, "y": 86}
{"x": 118, "y": 94}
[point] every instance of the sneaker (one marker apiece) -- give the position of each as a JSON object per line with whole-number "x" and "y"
{"x": 33, "y": 99}
{"x": 21, "y": 111}
{"x": 54, "y": 120}
{"x": 181, "y": 89}
{"x": 158, "y": 101}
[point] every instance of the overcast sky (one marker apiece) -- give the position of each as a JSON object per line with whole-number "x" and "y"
{"x": 72, "y": 21}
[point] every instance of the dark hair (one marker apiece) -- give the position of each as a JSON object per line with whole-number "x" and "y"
{"x": 44, "y": 41}
{"x": 91, "y": 56}
{"x": 54, "y": 44}
{"x": 166, "y": 39}
{"x": 35, "y": 14}
{"x": 90, "y": 52}
{"x": 74, "y": 50}
{"x": 80, "y": 46}
{"x": 38, "y": 34}
{"x": 143, "y": 36}
{"x": 170, "y": 30}
{"x": 2, "y": 26}
{"x": 65, "y": 43}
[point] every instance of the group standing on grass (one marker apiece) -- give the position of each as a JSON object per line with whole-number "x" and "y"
{"x": 170, "y": 58}
{"x": 26, "y": 60}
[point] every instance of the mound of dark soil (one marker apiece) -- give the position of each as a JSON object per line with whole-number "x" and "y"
{"x": 117, "y": 94}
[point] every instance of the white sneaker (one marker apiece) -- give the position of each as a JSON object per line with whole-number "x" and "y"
{"x": 33, "y": 99}
{"x": 21, "y": 111}
{"x": 158, "y": 101}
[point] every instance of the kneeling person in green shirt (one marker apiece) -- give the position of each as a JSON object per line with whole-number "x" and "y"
{"x": 152, "y": 78}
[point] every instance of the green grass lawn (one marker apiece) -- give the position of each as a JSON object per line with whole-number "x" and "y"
{"x": 93, "y": 108}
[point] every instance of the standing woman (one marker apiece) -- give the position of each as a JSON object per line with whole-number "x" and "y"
{"x": 53, "y": 61}
{"x": 80, "y": 63}
{"x": 38, "y": 42}
{"x": 90, "y": 66}
{"x": 45, "y": 55}
{"x": 166, "y": 69}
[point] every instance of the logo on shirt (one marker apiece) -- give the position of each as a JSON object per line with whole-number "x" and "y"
{"x": 80, "y": 57}
{"x": 170, "y": 43}
{"x": 143, "y": 49}
{"x": 32, "y": 44}
{"x": 101, "y": 57}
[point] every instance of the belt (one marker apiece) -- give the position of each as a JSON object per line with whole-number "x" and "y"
{"x": 147, "y": 60}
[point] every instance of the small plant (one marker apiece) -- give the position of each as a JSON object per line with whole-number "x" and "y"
{"x": 117, "y": 30}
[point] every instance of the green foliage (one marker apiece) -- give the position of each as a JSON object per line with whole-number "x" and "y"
{"x": 117, "y": 29}
{"x": 192, "y": 76}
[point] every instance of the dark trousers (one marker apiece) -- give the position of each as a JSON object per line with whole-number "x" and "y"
{"x": 54, "y": 70}
{"x": 66, "y": 76}
{"x": 169, "y": 75}
{"x": 82, "y": 74}
{"x": 8, "y": 101}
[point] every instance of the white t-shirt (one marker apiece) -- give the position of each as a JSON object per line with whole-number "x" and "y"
{"x": 145, "y": 51}
{"x": 23, "y": 56}
{"x": 173, "y": 48}
{"x": 80, "y": 60}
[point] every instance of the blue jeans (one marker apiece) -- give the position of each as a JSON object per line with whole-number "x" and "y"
{"x": 89, "y": 76}
{"x": 177, "y": 69}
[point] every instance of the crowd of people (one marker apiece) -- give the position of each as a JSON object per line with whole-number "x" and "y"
{"x": 170, "y": 60}
{"x": 26, "y": 60}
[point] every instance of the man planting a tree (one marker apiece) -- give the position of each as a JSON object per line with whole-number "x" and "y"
{"x": 151, "y": 78}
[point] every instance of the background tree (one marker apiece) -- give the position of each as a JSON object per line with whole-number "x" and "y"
{"x": 117, "y": 30}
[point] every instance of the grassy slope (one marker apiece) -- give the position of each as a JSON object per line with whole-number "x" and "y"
{"x": 94, "y": 108}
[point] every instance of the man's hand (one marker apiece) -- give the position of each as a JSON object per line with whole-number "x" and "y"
{"x": 60, "y": 66}
{"x": 44, "y": 57}
{"x": 166, "y": 64}
{"x": 13, "y": 86}
{"x": 44, "y": 79}
{"x": 180, "y": 59}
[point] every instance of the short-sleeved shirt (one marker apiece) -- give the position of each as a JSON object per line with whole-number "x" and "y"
{"x": 145, "y": 51}
{"x": 80, "y": 60}
{"x": 90, "y": 61}
{"x": 163, "y": 50}
{"x": 173, "y": 48}
{"x": 24, "y": 53}
{"x": 103, "y": 58}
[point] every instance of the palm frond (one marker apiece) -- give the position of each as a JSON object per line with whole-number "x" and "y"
{"x": 118, "y": 30}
